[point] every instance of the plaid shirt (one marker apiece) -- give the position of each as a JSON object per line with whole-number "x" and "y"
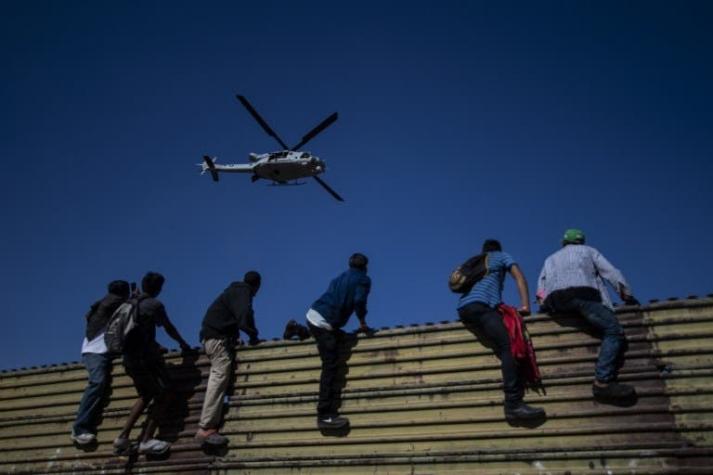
{"x": 577, "y": 265}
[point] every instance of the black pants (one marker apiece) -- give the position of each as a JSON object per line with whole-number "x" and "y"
{"x": 328, "y": 344}
{"x": 488, "y": 322}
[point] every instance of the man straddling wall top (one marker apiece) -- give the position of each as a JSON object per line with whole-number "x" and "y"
{"x": 346, "y": 294}
{"x": 230, "y": 312}
{"x": 572, "y": 281}
{"x": 97, "y": 361}
{"x": 479, "y": 309}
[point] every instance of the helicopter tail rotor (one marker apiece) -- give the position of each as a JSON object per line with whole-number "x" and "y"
{"x": 208, "y": 165}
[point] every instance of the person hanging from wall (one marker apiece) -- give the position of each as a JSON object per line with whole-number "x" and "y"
{"x": 572, "y": 281}
{"x": 346, "y": 294}
{"x": 144, "y": 364}
{"x": 230, "y": 312}
{"x": 97, "y": 360}
{"x": 477, "y": 308}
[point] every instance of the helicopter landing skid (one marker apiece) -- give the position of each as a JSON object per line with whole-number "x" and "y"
{"x": 287, "y": 183}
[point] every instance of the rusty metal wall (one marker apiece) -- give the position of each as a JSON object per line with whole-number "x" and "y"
{"x": 422, "y": 400}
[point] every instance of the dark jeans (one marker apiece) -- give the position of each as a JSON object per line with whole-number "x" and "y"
{"x": 90, "y": 407}
{"x": 487, "y": 321}
{"x": 148, "y": 372}
{"x": 328, "y": 343}
{"x": 605, "y": 321}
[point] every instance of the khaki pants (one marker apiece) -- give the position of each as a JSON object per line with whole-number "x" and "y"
{"x": 221, "y": 358}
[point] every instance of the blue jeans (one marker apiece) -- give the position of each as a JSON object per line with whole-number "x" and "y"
{"x": 90, "y": 407}
{"x": 604, "y": 320}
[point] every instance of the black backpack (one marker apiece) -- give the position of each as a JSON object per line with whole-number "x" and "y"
{"x": 466, "y": 275}
{"x": 121, "y": 323}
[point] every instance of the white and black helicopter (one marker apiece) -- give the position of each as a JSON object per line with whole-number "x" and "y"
{"x": 280, "y": 167}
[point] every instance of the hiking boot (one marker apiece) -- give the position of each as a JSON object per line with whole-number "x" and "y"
{"x": 84, "y": 439}
{"x": 613, "y": 392}
{"x": 522, "y": 413}
{"x": 216, "y": 440}
{"x": 154, "y": 447}
{"x": 334, "y": 422}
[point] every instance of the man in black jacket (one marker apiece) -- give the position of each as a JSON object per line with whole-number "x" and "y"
{"x": 97, "y": 361}
{"x": 230, "y": 312}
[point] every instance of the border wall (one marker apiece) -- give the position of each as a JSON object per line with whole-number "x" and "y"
{"x": 422, "y": 399}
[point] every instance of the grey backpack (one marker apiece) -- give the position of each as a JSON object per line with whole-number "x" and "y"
{"x": 121, "y": 323}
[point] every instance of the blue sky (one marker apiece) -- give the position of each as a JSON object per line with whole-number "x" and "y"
{"x": 458, "y": 121}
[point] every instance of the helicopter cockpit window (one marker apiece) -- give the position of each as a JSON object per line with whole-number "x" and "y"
{"x": 304, "y": 155}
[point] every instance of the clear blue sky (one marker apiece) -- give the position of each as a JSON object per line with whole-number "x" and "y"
{"x": 458, "y": 121}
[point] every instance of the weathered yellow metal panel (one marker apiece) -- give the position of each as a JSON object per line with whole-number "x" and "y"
{"x": 421, "y": 399}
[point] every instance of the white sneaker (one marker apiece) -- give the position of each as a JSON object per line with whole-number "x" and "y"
{"x": 154, "y": 447}
{"x": 84, "y": 439}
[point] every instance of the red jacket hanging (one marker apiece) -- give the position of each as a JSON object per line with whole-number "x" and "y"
{"x": 520, "y": 343}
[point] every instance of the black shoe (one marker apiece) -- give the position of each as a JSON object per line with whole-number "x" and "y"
{"x": 335, "y": 422}
{"x": 613, "y": 392}
{"x": 522, "y": 413}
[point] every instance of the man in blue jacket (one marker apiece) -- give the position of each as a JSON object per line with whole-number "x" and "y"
{"x": 346, "y": 294}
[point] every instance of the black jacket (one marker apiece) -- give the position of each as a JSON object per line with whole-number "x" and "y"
{"x": 99, "y": 314}
{"x": 230, "y": 312}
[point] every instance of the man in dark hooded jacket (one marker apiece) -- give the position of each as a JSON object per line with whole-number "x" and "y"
{"x": 229, "y": 313}
{"x": 97, "y": 361}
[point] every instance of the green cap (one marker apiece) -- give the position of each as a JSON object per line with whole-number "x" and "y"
{"x": 573, "y": 236}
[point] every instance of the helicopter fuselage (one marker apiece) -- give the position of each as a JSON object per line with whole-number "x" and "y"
{"x": 286, "y": 165}
{"x": 281, "y": 167}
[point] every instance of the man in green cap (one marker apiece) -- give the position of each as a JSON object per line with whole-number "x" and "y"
{"x": 572, "y": 280}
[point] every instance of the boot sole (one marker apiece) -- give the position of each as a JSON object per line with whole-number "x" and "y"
{"x": 323, "y": 425}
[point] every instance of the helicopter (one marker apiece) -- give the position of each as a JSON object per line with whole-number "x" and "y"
{"x": 281, "y": 167}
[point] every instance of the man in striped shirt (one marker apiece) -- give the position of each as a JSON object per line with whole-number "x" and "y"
{"x": 478, "y": 309}
{"x": 572, "y": 280}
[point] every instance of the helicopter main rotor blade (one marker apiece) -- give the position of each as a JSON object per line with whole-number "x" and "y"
{"x": 261, "y": 121}
{"x": 313, "y": 133}
{"x": 327, "y": 187}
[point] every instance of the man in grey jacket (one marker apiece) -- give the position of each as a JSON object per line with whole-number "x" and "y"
{"x": 572, "y": 280}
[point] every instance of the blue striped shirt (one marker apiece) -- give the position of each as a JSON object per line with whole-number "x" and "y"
{"x": 577, "y": 265}
{"x": 489, "y": 290}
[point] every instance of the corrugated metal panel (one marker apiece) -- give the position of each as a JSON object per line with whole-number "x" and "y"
{"x": 421, "y": 399}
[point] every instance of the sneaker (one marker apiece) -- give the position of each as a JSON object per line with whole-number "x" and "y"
{"x": 335, "y": 422}
{"x": 121, "y": 445}
{"x": 154, "y": 447}
{"x": 522, "y": 412}
{"x": 210, "y": 437}
{"x": 613, "y": 392}
{"x": 84, "y": 439}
